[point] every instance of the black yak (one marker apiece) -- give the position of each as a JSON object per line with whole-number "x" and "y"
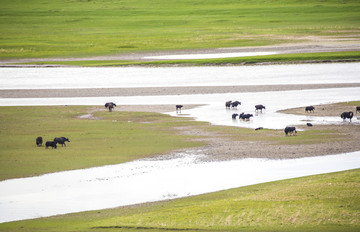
{"x": 259, "y": 107}
{"x": 228, "y": 104}
{"x": 244, "y": 116}
{"x": 178, "y": 108}
{"x": 235, "y": 104}
{"x": 110, "y": 106}
{"x": 61, "y": 140}
{"x": 51, "y": 144}
{"x": 309, "y": 109}
{"x": 290, "y": 130}
{"x": 39, "y": 141}
{"x": 346, "y": 115}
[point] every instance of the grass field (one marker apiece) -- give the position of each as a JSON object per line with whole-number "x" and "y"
{"x": 329, "y": 202}
{"x": 116, "y": 138}
{"x": 74, "y": 28}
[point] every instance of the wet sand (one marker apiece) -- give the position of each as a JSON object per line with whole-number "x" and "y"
{"x": 153, "y": 91}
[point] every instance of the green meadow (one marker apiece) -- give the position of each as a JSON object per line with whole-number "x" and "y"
{"x": 329, "y": 202}
{"x": 116, "y": 138}
{"x": 80, "y": 28}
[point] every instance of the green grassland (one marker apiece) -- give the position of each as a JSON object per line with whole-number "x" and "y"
{"x": 329, "y": 202}
{"x": 116, "y": 138}
{"x": 77, "y": 28}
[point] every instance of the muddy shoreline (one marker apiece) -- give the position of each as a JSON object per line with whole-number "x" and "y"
{"x": 154, "y": 91}
{"x": 314, "y": 45}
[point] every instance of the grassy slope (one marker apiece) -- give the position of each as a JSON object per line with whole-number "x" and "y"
{"x": 46, "y": 28}
{"x": 118, "y": 137}
{"x": 327, "y": 202}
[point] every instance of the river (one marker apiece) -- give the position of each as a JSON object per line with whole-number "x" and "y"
{"x": 178, "y": 174}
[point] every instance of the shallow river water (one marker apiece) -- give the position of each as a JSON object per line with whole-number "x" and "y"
{"x": 180, "y": 174}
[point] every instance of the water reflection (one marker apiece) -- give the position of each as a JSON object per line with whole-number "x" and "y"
{"x": 174, "y": 176}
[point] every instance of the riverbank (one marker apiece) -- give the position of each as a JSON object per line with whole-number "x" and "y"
{"x": 157, "y": 91}
{"x": 280, "y": 54}
{"x": 230, "y": 143}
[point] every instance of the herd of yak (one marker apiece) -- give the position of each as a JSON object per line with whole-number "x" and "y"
{"x": 289, "y": 130}
{"x": 52, "y": 144}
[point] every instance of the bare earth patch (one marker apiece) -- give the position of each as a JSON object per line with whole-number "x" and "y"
{"x": 323, "y": 110}
{"x": 271, "y": 144}
{"x": 344, "y": 138}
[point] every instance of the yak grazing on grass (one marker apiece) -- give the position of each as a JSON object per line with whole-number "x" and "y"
{"x": 61, "y": 141}
{"x": 51, "y": 144}
{"x": 110, "y": 106}
{"x": 290, "y": 130}
{"x": 39, "y": 141}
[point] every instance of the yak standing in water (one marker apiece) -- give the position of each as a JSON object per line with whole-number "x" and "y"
{"x": 259, "y": 107}
{"x": 110, "y": 105}
{"x": 235, "y": 104}
{"x": 346, "y": 115}
{"x": 178, "y": 108}
{"x": 244, "y": 116}
{"x": 228, "y": 104}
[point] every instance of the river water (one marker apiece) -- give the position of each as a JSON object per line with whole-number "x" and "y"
{"x": 179, "y": 174}
{"x": 59, "y": 78}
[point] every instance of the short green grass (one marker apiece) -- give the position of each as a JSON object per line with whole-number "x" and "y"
{"x": 351, "y": 103}
{"x": 118, "y": 137}
{"x": 328, "y": 202}
{"x": 78, "y": 28}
